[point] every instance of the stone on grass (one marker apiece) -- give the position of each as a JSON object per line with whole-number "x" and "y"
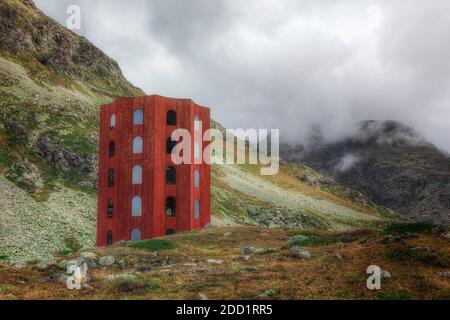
{"x": 202, "y": 297}
{"x": 20, "y": 265}
{"x": 227, "y": 234}
{"x": 445, "y": 274}
{"x": 251, "y": 250}
{"x": 75, "y": 262}
{"x": 339, "y": 256}
{"x": 88, "y": 255}
{"x": 213, "y": 261}
{"x": 62, "y": 264}
{"x": 107, "y": 261}
{"x": 299, "y": 253}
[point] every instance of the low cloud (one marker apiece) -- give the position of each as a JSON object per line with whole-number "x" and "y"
{"x": 285, "y": 64}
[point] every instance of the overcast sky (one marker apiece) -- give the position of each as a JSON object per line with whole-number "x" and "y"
{"x": 284, "y": 64}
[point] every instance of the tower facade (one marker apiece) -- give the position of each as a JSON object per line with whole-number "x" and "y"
{"x": 142, "y": 193}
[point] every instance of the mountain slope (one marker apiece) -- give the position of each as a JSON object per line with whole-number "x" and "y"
{"x": 52, "y": 83}
{"x": 391, "y": 164}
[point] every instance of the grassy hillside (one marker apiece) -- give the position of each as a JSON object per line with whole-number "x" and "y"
{"x": 52, "y": 83}
{"x": 252, "y": 263}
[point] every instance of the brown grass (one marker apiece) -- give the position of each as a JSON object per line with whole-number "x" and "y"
{"x": 182, "y": 273}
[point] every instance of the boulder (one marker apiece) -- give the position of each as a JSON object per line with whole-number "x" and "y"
{"x": 299, "y": 253}
{"x": 107, "y": 261}
{"x": 20, "y": 265}
{"x": 75, "y": 262}
{"x": 213, "y": 261}
{"x": 251, "y": 250}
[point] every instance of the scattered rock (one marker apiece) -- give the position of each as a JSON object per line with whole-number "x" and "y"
{"x": 154, "y": 254}
{"x": 121, "y": 243}
{"x": 86, "y": 286}
{"x": 20, "y": 265}
{"x": 227, "y": 234}
{"x": 114, "y": 277}
{"x": 446, "y": 235}
{"x": 246, "y": 257}
{"x": 299, "y": 253}
{"x": 339, "y": 257}
{"x": 11, "y": 297}
{"x": 122, "y": 264}
{"x": 297, "y": 240}
{"x": 251, "y": 250}
{"x": 203, "y": 297}
{"x": 212, "y": 261}
{"x": 268, "y": 294}
{"x": 342, "y": 244}
{"x": 75, "y": 262}
{"x": 62, "y": 264}
{"x": 90, "y": 259}
{"x": 42, "y": 266}
{"x": 107, "y": 261}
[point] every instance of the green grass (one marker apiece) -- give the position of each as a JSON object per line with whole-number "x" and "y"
{"x": 153, "y": 245}
{"x": 402, "y": 228}
{"x": 4, "y": 257}
{"x": 71, "y": 246}
{"x": 394, "y": 296}
{"x": 318, "y": 240}
{"x": 136, "y": 285}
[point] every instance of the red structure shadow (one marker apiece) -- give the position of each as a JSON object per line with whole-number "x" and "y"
{"x": 142, "y": 194}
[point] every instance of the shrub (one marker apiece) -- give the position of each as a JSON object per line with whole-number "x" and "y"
{"x": 405, "y": 254}
{"x": 132, "y": 285}
{"x": 402, "y": 228}
{"x": 153, "y": 245}
{"x": 71, "y": 246}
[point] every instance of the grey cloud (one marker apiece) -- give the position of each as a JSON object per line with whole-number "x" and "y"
{"x": 285, "y": 64}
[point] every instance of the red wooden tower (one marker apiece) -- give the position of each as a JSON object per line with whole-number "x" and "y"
{"x": 142, "y": 194}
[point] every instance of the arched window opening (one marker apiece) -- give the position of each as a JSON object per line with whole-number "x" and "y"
{"x": 171, "y": 175}
{"x": 112, "y": 121}
{"x": 172, "y": 118}
{"x": 170, "y": 232}
{"x": 136, "y": 207}
{"x": 112, "y": 149}
{"x": 197, "y": 209}
{"x": 137, "y": 175}
{"x": 138, "y": 145}
{"x": 111, "y": 178}
{"x": 197, "y": 179}
{"x": 171, "y": 204}
{"x": 110, "y": 208}
{"x": 109, "y": 238}
{"x": 197, "y": 124}
{"x": 136, "y": 235}
{"x": 171, "y": 144}
{"x": 138, "y": 117}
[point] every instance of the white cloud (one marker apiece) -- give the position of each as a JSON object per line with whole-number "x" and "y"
{"x": 284, "y": 64}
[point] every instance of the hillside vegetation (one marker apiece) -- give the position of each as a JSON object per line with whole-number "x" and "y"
{"x": 52, "y": 83}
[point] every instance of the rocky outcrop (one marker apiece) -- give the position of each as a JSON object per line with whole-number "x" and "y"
{"x": 390, "y": 164}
